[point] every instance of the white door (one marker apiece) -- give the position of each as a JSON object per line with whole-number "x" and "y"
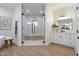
{"x": 77, "y": 30}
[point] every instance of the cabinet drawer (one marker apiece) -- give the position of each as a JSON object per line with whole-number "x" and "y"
{"x": 60, "y": 39}
{"x": 69, "y": 44}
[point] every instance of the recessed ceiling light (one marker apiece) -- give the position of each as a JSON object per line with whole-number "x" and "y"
{"x": 41, "y": 12}
{"x": 27, "y": 11}
{"x": 28, "y": 22}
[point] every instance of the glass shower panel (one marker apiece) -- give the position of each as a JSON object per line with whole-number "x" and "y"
{"x": 27, "y": 25}
{"x": 33, "y": 27}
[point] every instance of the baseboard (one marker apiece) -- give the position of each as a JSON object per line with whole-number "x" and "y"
{"x": 62, "y": 45}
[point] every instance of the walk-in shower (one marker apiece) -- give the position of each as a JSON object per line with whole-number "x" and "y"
{"x": 33, "y": 22}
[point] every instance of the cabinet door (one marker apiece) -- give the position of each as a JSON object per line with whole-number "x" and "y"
{"x": 69, "y": 42}
{"x": 70, "y": 39}
{"x": 65, "y": 39}
{"x": 54, "y": 37}
{"x": 60, "y": 38}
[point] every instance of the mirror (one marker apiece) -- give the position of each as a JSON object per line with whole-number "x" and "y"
{"x": 65, "y": 24}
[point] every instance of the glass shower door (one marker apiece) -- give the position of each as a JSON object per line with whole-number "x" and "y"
{"x": 33, "y": 28}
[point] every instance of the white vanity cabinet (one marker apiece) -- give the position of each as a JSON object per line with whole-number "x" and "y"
{"x": 70, "y": 39}
{"x": 66, "y": 39}
{"x": 60, "y": 38}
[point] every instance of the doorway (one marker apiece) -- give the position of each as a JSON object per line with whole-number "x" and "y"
{"x": 33, "y": 24}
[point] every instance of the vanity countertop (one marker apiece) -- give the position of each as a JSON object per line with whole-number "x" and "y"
{"x": 64, "y": 32}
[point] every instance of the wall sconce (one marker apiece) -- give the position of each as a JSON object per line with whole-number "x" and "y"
{"x": 64, "y": 17}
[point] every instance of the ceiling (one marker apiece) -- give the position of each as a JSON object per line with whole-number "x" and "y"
{"x": 33, "y": 8}
{"x": 57, "y": 6}
{"x": 10, "y": 6}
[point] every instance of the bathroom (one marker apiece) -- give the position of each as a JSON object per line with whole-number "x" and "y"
{"x": 33, "y": 24}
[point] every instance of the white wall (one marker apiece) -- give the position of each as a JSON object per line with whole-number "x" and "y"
{"x": 13, "y": 11}
{"x": 7, "y": 13}
{"x": 48, "y": 23}
{"x": 18, "y": 17}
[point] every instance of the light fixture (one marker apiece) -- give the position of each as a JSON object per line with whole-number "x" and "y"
{"x": 27, "y": 11}
{"x": 41, "y": 12}
{"x": 28, "y": 23}
{"x": 62, "y": 18}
